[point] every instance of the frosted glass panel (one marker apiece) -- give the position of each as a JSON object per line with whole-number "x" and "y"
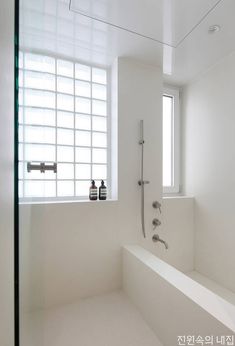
{"x": 39, "y": 134}
{"x": 39, "y": 116}
{"x": 65, "y": 119}
{"x": 83, "y": 171}
{"x": 83, "y": 122}
{"x": 20, "y": 115}
{"x": 65, "y": 154}
{"x": 20, "y": 185}
{"x": 65, "y": 85}
{"x": 20, "y": 168}
{"x": 39, "y": 63}
{"x": 21, "y": 57}
{"x": 37, "y": 80}
{"x": 65, "y": 171}
{"x": 82, "y": 89}
{"x": 65, "y": 68}
{"x": 99, "y": 172}
{"x": 99, "y": 155}
{"x": 99, "y": 76}
{"x": 40, "y": 189}
{"x": 65, "y": 136}
{"x": 167, "y": 140}
{"x": 99, "y": 107}
{"x": 65, "y": 102}
{"x": 83, "y": 105}
{"x": 83, "y": 138}
{"x": 20, "y": 152}
{"x": 99, "y": 140}
{"x": 99, "y": 91}
{"x": 65, "y": 188}
{"x": 83, "y": 155}
{"x": 99, "y": 124}
{"x": 36, "y": 98}
{"x": 37, "y": 152}
{"x": 82, "y": 188}
{"x": 82, "y": 72}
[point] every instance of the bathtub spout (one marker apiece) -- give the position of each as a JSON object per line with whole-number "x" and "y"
{"x": 156, "y": 238}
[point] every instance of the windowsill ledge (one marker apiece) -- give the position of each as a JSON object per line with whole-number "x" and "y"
{"x": 86, "y": 201}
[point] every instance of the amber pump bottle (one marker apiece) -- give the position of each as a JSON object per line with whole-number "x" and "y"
{"x": 93, "y": 194}
{"x": 102, "y": 191}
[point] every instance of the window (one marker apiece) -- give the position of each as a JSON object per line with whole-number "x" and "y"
{"x": 171, "y": 140}
{"x": 63, "y": 118}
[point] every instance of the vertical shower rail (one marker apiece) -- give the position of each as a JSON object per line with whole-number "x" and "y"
{"x": 142, "y": 182}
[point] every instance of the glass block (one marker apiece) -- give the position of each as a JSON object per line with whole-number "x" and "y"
{"x": 83, "y": 122}
{"x": 39, "y": 134}
{"x": 38, "y": 98}
{"x": 83, "y": 155}
{"x": 38, "y": 62}
{"x": 65, "y": 102}
{"x": 20, "y": 187}
{"x": 40, "y": 189}
{"x": 21, "y": 133}
{"x": 99, "y": 155}
{"x": 20, "y": 78}
{"x": 65, "y": 188}
{"x": 82, "y": 105}
{"x": 37, "y": 80}
{"x": 20, "y": 152}
{"x": 83, "y": 171}
{"x": 99, "y": 139}
{"x": 65, "y": 119}
{"x": 65, "y": 154}
{"x": 21, "y": 59}
{"x": 20, "y": 97}
{"x": 82, "y": 72}
{"x": 65, "y": 85}
{"x": 99, "y": 172}
{"x": 20, "y": 169}
{"x": 83, "y": 138}
{"x": 39, "y": 116}
{"x": 99, "y": 107}
{"x": 99, "y": 76}
{"x": 20, "y": 115}
{"x": 99, "y": 91}
{"x": 65, "y": 68}
{"x": 65, "y": 136}
{"x": 65, "y": 171}
{"x": 82, "y": 188}
{"x": 82, "y": 88}
{"x": 38, "y": 152}
{"x": 99, "y": 124}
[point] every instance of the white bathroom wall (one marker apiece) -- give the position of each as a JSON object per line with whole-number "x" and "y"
{"x": 209, "y": 168}
{"x": 6, "y": 172}
{"x": 73, "y": 250}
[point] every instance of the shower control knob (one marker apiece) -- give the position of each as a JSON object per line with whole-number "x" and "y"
{"x": 156, "y": 223}
{"x": 157, "y": 205}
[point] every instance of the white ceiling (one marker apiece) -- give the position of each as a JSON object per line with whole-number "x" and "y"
{"x": 100, "y": 30}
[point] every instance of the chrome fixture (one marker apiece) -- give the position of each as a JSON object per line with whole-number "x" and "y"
{"x": 142, "y": 182}
{"x": 156, "y": 223}
{"x": 157, "y": 205}
{"x": 42, "y": 167}
{"x": 156, "y": 239}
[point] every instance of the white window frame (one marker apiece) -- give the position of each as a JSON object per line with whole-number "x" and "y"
{"x": 175, "y": 159}
{"x": 59, "y": 199}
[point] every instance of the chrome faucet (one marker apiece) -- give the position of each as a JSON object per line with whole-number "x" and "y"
{"x": 156, "y": 238}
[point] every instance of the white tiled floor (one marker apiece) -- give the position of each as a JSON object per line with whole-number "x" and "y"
{"x": 109, "y": 320}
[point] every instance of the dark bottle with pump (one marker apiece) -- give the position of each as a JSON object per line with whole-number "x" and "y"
{"x": 102, "y": 191}
{"x": 93, "y": 195}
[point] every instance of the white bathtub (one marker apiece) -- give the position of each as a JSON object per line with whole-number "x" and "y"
{"x": 171, "y": 302}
